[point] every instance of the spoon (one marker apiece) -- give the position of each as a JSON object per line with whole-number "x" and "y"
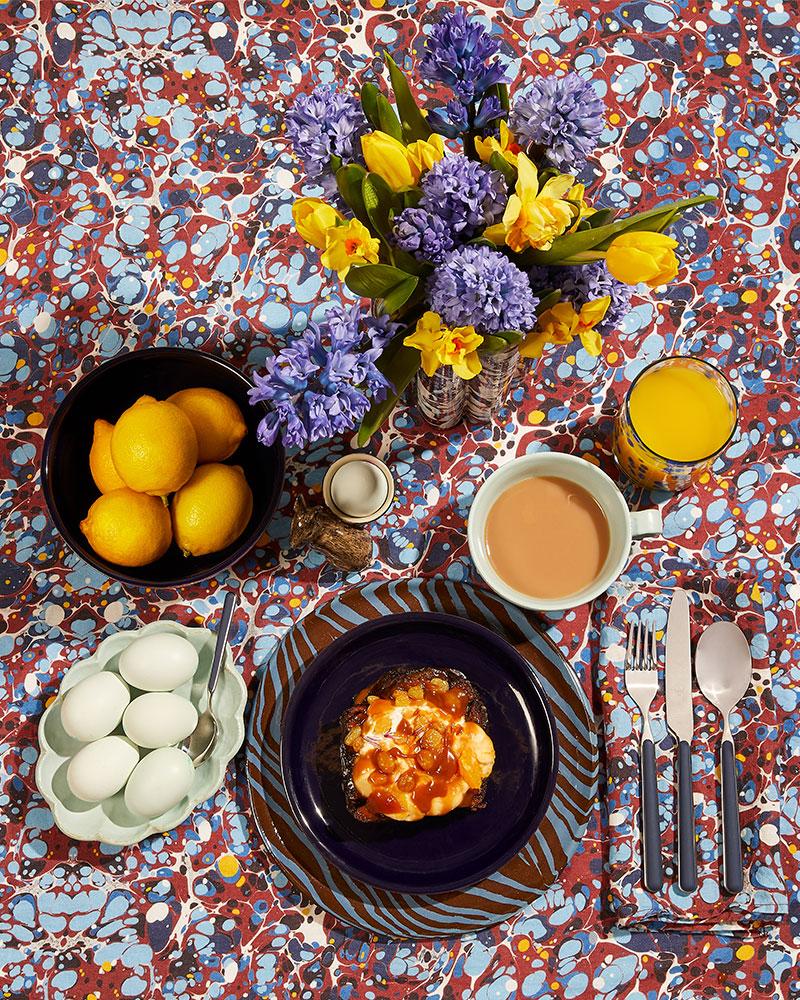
{"x": 724, "y": 667}
{"x": 200, "y": 742}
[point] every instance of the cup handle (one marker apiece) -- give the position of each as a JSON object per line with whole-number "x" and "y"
{"x": 646, "y": 522}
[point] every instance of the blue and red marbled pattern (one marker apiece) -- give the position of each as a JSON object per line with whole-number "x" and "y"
{"x": 145, "y": 198}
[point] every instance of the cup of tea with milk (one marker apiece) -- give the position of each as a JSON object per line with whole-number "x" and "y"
{"x": 551, "y": 531}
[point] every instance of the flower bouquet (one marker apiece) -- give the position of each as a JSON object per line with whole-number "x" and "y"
{"x": 465, "y": 225}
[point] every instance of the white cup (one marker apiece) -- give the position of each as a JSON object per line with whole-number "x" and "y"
{"x": 623, "y": 524}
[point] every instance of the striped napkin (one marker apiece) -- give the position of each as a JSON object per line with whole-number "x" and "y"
{"x": 646, "y": 589}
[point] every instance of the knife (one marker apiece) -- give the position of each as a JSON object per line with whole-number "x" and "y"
{"x": 680, "y": 719}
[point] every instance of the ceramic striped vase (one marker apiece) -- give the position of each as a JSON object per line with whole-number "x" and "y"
{"x": 441, "y": 398}
{"x": 488, "y": 391}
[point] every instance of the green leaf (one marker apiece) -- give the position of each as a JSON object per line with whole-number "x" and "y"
{"x": 349, "y": 179}
{"x": 374, "y": 281}
{"x": 411, "y": 198}
{"x": 369, "y": 103}
{"x": 388, "y": 121}
{"x": 408, "y": 263}
{"x": 547, "y": 301}
{"x": 500, "y": 91}
{"x": 600, "y": 218}
{"x": 498, "y": 162}
{"x": 400, "y": 294}
{"x": 492, "y": 344}
{"x": 400, "y": 366}
{"x": 413, "y": 121}
{"x": 600, "y": 237}
{"x": 380, "y": 203}
{"x": 509, "y": 336}
{"x": 334, "y": 163}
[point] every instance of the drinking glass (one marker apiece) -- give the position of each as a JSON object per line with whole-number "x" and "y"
{"x": 646, "y": 467}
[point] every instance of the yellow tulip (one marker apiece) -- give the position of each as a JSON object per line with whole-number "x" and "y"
{"x": 534, "y": 216}
{"x": 388, "y": 157}
{"x": 506, "y": 146}
{"x": 313, "y": 218}
{"x": 561, "y": 323}
{"x": 347, "y": 245}
{"x": 443, "y": 345}
{"x": 425, "y": 152}
{"x": 640, "y": 256}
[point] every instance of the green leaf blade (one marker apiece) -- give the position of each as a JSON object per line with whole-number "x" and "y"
{"x": 413, "y": 122}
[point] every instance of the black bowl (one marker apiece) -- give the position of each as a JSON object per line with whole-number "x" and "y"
{"x": 439, "y": 853}
{"x": 104, "y": 394}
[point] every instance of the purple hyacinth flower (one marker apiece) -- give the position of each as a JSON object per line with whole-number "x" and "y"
{"x": 423, "y": 234}
{"x": 458, "y": 53}
{"x": 563, "y": 115}
{"x": 465, "y": 194}
{"x": 325, "y": 123}
{"x": 478, "y": 286}
{"x": 324, "y": 381}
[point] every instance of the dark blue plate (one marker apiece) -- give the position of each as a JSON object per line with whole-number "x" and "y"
{"x": 441, "y": 853}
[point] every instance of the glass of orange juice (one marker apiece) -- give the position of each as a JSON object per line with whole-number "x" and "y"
{"x": 678, "y": 415}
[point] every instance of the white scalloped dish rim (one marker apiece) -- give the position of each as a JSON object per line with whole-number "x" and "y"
{"x": 102, "y": 821}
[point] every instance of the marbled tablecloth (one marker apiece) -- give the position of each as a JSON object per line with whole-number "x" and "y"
{"x": 145, "y": 199}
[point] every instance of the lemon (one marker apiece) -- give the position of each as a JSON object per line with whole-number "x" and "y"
{"x": 217, "y": 421}
{"x": 154, "y": 447}
{"x": 212, "y": 509}
{"x": 128, "y": 528}
{"x": 106, "y": 478}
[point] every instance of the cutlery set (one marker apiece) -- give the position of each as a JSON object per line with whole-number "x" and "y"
{"x": 723, "y": 667}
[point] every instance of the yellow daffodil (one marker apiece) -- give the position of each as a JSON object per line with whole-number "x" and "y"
{"x": 641, "y": 256}
{"x": 400, "y": 166}
{"x": 534, "y": 216}
{"x": 313, "y": 218}
{"x": 575, "y": 195}
{"x": 590, "y": 315}
{"x": 349, "y": 244}
{"x": 555, "y": 326}
{"x": 506, "y": 146}
{"x": 443, "y": 345}
{"x": 561, "y": 324}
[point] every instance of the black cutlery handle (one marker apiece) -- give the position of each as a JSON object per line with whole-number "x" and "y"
{"x": 732, "y": 871}
{"x": 687, "y": 860}
{"x": 651, "y": 828}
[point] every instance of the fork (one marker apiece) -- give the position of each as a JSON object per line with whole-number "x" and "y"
{"x": 641, "y": 680}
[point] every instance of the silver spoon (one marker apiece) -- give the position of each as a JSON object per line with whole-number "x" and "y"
{"x": 200, "y": 742}
{"x": 724, "y": 667}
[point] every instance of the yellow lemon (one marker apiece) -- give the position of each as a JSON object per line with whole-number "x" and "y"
{"x": 106, "y": 478}
{"x": 217, "y": 421}
{"x": 154, "y": 447}
{"x": 128, "y": 528}
{"x": 212, "y": 510}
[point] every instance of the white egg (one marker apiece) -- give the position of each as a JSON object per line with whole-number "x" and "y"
{"x": 159, "y": 719}
{"x": 92, "y": 709}
{"x": 159, "y": 781}
{"x": 158, "y": 662}
{"x": 99, "y": 770}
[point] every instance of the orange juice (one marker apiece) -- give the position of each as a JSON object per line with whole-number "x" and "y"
{"x": 680, "y": 413}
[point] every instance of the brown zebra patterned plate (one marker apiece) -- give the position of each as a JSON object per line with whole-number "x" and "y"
{"x": 398, "y": 914}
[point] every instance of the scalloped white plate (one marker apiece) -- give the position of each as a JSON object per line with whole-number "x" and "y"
{"x": 110, "y": 821}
